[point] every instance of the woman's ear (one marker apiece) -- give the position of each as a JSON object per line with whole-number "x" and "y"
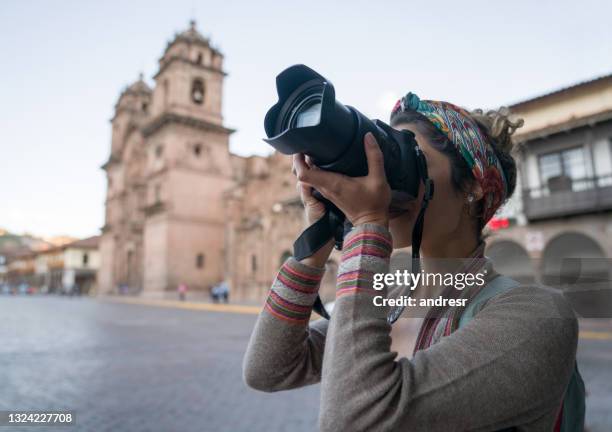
{"x": 477, "y": 191}
{"x": 473, "y": 193}
{"x": 473, "y": 197}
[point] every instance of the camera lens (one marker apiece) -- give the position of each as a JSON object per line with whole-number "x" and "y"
{"x": 309, "y": 119}
{"x": 302, "y": 108}
{"x": 308, "y": 113}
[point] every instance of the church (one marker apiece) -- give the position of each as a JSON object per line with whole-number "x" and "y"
{"x": 180, "y": 208}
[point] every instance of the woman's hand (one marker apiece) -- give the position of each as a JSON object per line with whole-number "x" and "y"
{"x": 315, "y": 210}
{"x": 361, "y": 199}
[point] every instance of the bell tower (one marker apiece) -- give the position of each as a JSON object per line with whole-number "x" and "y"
{"x": 121, "y": 243}
{"x": 190, "y": 78}
{"x": 188, "y": 168}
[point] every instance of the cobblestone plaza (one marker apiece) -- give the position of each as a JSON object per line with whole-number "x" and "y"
{"x": 132, "y": 367}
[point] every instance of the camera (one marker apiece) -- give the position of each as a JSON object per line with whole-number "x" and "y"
{"x": 308, "y": 119}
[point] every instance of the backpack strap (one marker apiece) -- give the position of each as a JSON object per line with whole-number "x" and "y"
{"x": 572, "y": 409}
{"x": 498, "y": 285}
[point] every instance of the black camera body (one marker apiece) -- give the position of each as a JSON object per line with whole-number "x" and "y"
{"x": 308, "y": 119}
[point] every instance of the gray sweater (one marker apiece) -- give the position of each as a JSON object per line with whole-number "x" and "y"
{"x": 507, "y": 367}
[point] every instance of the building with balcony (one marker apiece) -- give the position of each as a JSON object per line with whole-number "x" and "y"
{"x": 68, "y": 268}
{"x": 72, "y": 267}
{"x": 563, "y": 205}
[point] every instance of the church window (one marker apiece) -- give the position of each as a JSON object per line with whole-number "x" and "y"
{"x": 197, "y": 150}
{"x": 200, "y": 260}
{"x": 85, "y": 259}
{"x": 253, "y": 263}
{"x": 145, "y": 106}
{"x": 199, "y": 58}
{"x": 157, "y": 194}
{"x": 197, "y": 91}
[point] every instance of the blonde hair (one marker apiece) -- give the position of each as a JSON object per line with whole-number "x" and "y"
{"x": 498, "y": 127}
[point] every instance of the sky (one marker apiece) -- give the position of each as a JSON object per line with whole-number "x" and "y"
{"x": 64, "y": 63}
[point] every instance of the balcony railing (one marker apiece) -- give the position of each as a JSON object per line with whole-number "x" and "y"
{"x": 565, "y": 196}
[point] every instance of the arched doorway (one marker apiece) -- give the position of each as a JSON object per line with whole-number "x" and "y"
{"x": 576, "y": 264}
{"x": 511, "y": 259}
{"x": 572, "y": 255}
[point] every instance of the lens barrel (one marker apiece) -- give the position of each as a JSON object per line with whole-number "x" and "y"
{"x": 335, "y": 141}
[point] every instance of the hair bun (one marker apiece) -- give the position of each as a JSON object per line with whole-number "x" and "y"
{"x": 498, "y": 126}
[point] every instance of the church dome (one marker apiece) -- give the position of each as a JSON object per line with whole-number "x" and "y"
{"x": 136, "y": 94}
{"x": 138, "y": 87}
{"x": 191, "y": 35}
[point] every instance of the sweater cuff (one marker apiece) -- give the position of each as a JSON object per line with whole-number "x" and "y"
{"x": 367, "y": 249}
{"x": 294, "y": 291}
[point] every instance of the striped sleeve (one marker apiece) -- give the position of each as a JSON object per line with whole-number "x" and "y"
{"x": 294, "y": 292}
{"x": 366, "y": 251}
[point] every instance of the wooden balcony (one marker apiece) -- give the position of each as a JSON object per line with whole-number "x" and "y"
{"x": 564, "y": 196}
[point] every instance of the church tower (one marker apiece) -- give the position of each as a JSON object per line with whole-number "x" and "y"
{"x": 121, "y": 243}
{"x": 187, "y": 168}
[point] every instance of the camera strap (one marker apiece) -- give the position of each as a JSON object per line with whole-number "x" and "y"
{"x": 334, "y": 224}
{"x": 417, "y": 230}
{"x": 313, "y": 238}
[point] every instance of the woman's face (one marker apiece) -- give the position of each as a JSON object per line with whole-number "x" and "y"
{"x": 444, "y": 216}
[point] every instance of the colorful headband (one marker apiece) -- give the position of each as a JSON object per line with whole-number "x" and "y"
{"x": 464, "y": 133}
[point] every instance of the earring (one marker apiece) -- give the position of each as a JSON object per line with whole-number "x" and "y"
{"x": 470, "y": 198}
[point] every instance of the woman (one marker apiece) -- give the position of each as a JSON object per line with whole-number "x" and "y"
{"x": 509, "y": 367}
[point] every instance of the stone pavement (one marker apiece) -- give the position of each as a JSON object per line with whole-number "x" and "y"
{"x": 159, "y": 367}
{"x": 126, "y": 367}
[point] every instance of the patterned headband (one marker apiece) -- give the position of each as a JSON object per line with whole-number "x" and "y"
{"x": 464, "y": 133}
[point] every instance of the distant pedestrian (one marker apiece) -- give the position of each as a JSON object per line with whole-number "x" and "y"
{"x": 225, "y": 291}
{"x": 182, "y": 291}
{"x": 220, "y": 292}
{"x": 123, "y": 289}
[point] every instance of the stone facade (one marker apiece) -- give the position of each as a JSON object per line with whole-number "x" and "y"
{"x": 265, "y": 216}
{"x": 168, "y": 169}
